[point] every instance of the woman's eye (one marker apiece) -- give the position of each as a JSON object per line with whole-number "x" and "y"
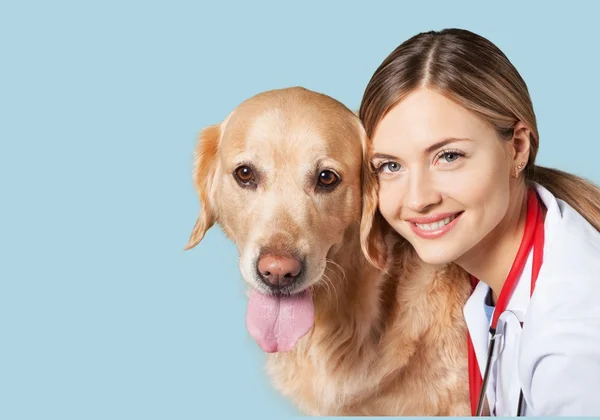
{"x": 390, "y": 167}
{"x": 450, "y": 156}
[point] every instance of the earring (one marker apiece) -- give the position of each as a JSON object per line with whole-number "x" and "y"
{"x": 521, "y": 166}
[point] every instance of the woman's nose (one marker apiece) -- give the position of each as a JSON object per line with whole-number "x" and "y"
{"x": 422, "y": 193}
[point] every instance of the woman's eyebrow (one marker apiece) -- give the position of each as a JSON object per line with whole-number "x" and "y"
{"x": 382, "y": 156}
{"x": 445, "y": 142}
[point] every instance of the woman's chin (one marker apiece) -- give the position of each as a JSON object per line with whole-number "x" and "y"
{"x": 435, "y": 254}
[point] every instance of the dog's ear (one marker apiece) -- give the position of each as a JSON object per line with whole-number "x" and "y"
{"x": 204, "y": 172}
{"x": 373, "y": 227}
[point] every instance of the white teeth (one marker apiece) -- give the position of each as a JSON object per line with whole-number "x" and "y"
{"x": 436, "y": 225}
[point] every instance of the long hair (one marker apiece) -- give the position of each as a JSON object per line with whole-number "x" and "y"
{"x": 473, "y": 72}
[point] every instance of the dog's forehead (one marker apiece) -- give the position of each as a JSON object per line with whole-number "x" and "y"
{"x": 300, "y": 134}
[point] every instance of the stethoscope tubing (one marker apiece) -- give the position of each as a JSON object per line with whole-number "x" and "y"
{"x": 486, "y": 376}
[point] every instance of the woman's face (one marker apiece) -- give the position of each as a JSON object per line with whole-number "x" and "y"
{"x": 444, "y": 175}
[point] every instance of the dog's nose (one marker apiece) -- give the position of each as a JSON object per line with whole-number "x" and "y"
{"x": 278, "y": 271}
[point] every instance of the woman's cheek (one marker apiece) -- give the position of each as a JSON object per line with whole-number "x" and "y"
{"x": 390, "y": 199}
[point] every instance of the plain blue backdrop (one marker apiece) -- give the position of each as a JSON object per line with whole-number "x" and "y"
{"x": 102, "y": 313}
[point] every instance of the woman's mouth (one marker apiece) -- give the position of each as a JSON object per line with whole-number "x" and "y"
{"x": 433, "y": 227}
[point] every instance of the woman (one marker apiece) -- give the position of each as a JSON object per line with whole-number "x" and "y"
{"x": 453, "y": 145}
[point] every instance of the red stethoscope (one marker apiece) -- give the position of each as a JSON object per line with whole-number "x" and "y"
{"x": 533, "y": 237}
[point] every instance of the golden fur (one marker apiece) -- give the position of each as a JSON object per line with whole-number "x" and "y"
{"x": 383, "y": 342}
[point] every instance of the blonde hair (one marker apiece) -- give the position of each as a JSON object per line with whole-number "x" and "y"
{"x": 470, "y": 70}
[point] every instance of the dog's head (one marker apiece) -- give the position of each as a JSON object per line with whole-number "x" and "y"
{"x": 282, "y": 176}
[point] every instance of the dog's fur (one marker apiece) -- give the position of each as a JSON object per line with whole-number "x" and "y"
{"x": 383, "y": 342}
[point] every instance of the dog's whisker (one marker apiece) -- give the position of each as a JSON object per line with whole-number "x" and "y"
{"x": 338, "y": 266}
{"x": 341, "y": 279}
{"x": 332, "y": 272}
{"x": 338, "y": 275}
{"x": 328, "y": 282}
{"x": 331, "y": 290}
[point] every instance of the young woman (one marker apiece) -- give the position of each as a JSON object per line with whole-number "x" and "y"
{"x": 454, "y": 140}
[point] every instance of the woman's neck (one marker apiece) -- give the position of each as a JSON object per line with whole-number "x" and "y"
{"x": 491, "y": 259}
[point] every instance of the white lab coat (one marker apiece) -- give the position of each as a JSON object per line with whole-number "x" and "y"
{"x": 555, "y": 357}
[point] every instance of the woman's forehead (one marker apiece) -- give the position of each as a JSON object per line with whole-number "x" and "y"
{"x": 426, "y": 117}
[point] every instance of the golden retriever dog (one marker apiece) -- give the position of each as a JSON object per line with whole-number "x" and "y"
{"x": 283, "y": 175}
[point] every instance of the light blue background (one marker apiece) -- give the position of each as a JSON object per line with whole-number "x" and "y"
{"x": 102, "y": 314}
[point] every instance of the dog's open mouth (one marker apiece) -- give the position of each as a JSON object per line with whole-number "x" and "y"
{"x": 278, "y": 322}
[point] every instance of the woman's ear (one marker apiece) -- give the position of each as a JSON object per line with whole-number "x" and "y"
{"x": 204, "y": 172}
{"x": 521, "y": 144}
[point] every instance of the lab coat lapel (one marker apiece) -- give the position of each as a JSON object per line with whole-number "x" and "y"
{"x": 479, "y": 326}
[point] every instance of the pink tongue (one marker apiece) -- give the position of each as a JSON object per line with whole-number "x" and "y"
{"x": 277, "y": 323}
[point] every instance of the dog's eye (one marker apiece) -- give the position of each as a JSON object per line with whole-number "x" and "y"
{"x": 328, "y": 179}
{"x": 244, "y": 175}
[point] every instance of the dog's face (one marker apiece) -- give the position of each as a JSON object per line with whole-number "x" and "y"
{"x": 282, "y": 176}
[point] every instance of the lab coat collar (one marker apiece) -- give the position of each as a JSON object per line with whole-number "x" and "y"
{"x": 553, "y": 213}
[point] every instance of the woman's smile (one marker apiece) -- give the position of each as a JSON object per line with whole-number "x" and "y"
{"x": 433, "y": 227}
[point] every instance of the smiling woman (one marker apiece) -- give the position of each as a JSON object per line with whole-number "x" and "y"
{"x": 453, "y": 145}
{"x": 441, "y": 150}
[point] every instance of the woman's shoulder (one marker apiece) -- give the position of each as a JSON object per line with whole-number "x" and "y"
{"x": 569, "y": 237}
{"x": 561, "y": 329}
{"x": 569, "y": 278}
